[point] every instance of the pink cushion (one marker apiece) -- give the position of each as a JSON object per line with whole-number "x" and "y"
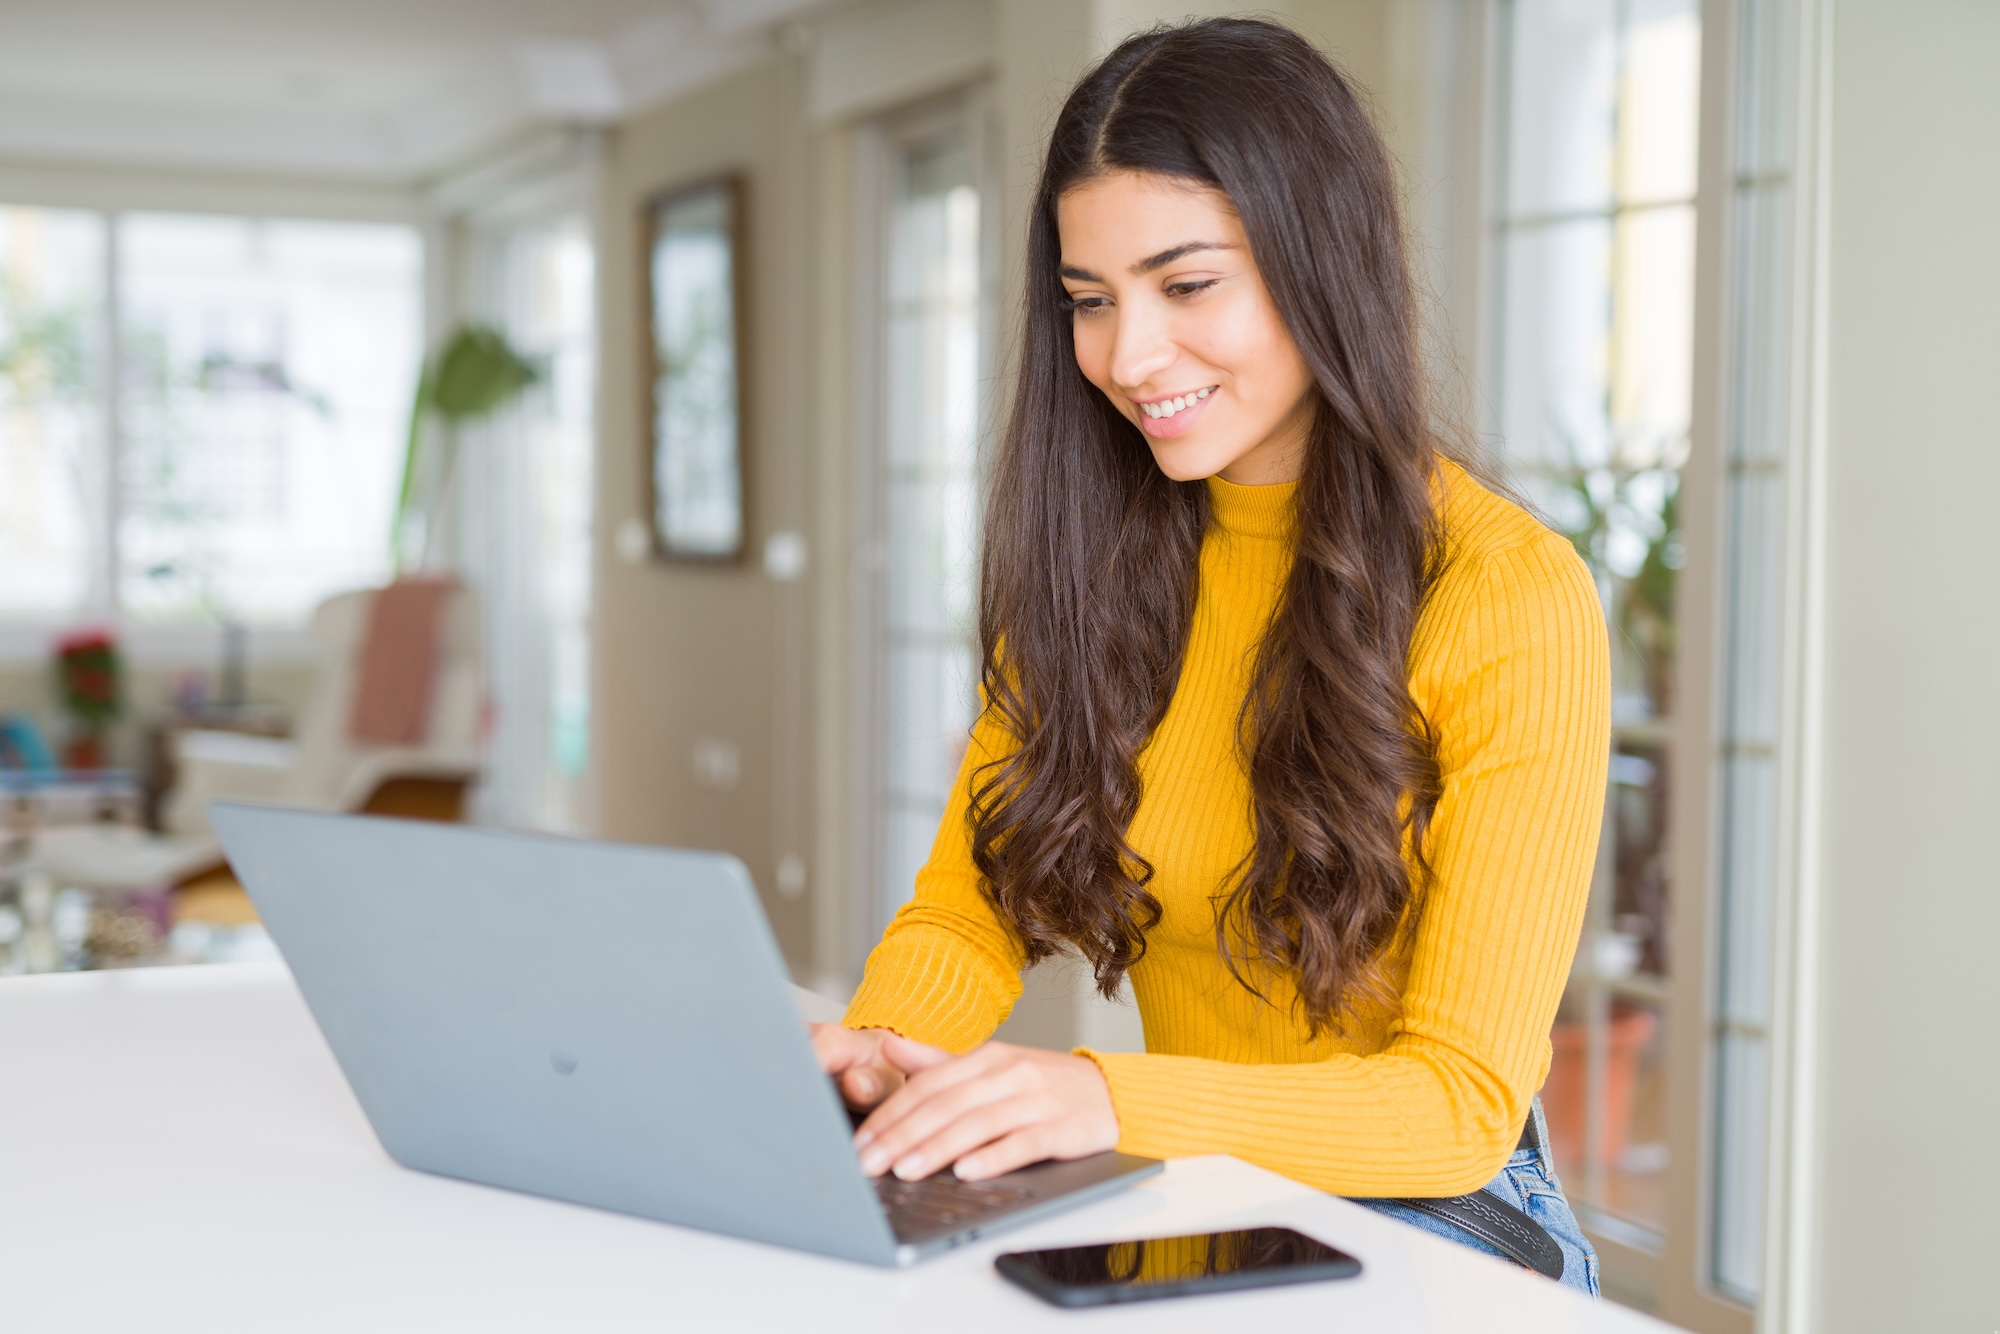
{"x": 400, "y": 653}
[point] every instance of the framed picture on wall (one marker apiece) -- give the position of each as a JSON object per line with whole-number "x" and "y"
{"x": 694, "y": 398}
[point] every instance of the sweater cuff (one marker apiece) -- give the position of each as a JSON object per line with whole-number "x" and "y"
{"x": 929, "y": 994}
{"x": 1150, "y": 1104}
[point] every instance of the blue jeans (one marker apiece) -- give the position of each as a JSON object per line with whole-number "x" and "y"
{"x": 1528, "y": 1182}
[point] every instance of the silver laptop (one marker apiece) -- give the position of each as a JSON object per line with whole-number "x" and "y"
{"x": 605, "y": 1024}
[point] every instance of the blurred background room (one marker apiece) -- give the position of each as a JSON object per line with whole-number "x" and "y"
{"x": 572, "y": 417}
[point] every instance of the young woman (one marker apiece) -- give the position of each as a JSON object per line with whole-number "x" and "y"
{"x": 1288, "y": 719}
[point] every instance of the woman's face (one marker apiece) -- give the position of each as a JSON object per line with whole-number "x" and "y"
{"x": 1168, "y": 308}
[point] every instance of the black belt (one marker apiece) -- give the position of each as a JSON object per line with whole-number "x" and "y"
{"x": 1499, "y": 1224}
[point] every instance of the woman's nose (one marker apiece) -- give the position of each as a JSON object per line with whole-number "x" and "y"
{"x": 1140, "y": 350}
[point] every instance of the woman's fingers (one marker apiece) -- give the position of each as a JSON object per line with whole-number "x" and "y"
{"x": 924, "y": 1113}
{"x": 991, "y": 1111}
{"x": 912, "y": 1057}
{"x": 895, "y": 1060}
{"x": 977, "y": 1129}
{"x": 854, "y": 1058}
{"x": 866, "y": 1086}
{"x": 920, "y": 1088}
{"x": 1006, "y": 1153}
{"x": 839, "y": 1048}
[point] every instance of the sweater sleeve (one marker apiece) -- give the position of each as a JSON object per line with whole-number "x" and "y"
{"x": 947, "y": 970}
{"x": 1520, "y": 699}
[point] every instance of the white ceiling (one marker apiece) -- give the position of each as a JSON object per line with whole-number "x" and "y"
{"x": 386, "y": 90}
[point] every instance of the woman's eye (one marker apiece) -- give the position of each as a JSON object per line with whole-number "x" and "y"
{"x": 1190, "y": 288}
{"x": 1085, "y": 305}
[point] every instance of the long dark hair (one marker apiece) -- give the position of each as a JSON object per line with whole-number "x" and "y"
{"x": 1088, "y": 582}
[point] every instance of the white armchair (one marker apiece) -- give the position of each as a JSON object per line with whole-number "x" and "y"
{"x": 325, "y": 767}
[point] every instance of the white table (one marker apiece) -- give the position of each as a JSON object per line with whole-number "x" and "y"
{"x": 178, "y": 1151}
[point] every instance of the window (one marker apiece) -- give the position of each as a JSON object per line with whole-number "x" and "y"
{"x": 52, "y": 377}
{"x": 232, "y": 455}
{"x": 936, "y": 295}
{"x": 1594, "y": 245}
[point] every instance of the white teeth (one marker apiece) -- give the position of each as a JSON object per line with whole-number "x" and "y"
{"x": 1168, "y": 407}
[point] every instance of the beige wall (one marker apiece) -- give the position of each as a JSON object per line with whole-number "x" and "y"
{"x": 691, "y": 653}
{"x": 1909, "y": 1094}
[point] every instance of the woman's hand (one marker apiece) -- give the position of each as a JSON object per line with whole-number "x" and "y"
{"x": 990, "y": 1111}
{"x": 853, "y": 1056}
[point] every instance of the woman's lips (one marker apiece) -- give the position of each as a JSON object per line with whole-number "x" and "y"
{"x": 1166, "y": 428}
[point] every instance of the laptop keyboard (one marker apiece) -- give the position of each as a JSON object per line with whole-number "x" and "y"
{"x": 943, "y": 1201}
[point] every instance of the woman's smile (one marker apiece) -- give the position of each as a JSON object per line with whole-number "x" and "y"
{"x": 1173, "y": 415}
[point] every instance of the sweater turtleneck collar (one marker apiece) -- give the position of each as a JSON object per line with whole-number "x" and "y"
{"x": 1253, "y": 511}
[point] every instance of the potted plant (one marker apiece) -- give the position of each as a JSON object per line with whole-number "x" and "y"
{"x": 1566, "y": 1093}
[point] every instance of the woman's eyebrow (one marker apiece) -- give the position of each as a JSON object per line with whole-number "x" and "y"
{"x": 1151, "y": 262}
{"x": 1168, "y": 256}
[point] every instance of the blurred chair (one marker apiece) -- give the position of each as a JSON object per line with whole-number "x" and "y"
{"x": 416, "y": 761}
{"x": 335, "y": 765}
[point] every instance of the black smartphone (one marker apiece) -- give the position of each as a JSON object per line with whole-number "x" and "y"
{"x": 1137, "y": 1271}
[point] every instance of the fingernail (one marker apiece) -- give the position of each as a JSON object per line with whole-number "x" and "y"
{"x": 911, "y": 1168}
{"x": 864, "y": 1086}
{"x": 873, "y": 1161}
{"x": 862, "y": 1139}
{"x": 967, "y": 1169}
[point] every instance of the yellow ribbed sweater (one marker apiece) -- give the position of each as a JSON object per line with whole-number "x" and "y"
{"x": 1420, "y": 1097}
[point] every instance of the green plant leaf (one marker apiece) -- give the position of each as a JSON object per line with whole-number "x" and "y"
{"x": 474, "y": 373}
